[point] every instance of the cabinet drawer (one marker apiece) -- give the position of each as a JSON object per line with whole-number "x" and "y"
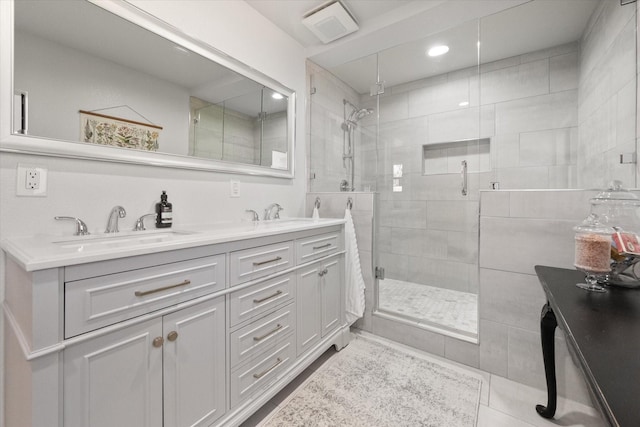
{"x": 256, "y": 376}
{"x": 250, "y": 340}
{"x": 250, "y": 264}
{"x": 101, "y": 301}
{"x": 316, "y": 247}
{"x": 255, "y": 300}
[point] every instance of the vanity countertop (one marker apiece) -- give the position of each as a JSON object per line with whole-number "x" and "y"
{"x": 51, "y": 251}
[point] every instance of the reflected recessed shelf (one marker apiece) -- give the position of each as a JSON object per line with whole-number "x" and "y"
{"x": 446, "y": 157}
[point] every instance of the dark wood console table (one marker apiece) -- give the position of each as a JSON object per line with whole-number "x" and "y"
{"x": 603, "y": 330}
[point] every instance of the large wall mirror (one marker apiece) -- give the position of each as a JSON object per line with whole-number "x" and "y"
{"x": 149, "y": 95}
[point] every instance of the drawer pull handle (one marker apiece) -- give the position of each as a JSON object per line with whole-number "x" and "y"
{"x": 322, "y": 246}
{"x": 323, "y": 272}
{"x": 276, "y": 329}
{"x": 164, "y": 288}
{"x": 258, "y": 301}
{"x": 278, "y": 258}
{"x": 265, "y": 372}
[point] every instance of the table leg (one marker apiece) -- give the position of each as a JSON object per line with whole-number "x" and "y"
{"x": 548, "y": 326}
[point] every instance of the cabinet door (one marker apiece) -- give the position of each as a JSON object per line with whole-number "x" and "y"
{"x": 308, "y": 308}
{"x": 331, "y": 291}
{"x": 194, "y": 365}
{"x": 115, "y": 379}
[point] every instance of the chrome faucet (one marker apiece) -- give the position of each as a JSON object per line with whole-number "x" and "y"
{"x": 112, "y": 223}
{"x": 140, "y": 222}
{"x": 267, "y": 211}
{"x": 81, "y": 227}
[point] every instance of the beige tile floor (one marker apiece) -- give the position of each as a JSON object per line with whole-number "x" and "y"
{"x": 503, "y": 403}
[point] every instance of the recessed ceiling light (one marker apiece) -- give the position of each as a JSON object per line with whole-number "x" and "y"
{"x": 276, "y": 95}
{"x": 464, "y": 103}
{"x": 438, "y": 50}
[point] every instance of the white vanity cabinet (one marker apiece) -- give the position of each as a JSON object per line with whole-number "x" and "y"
{"x": 170, "y": 368}
{"x": 200, "y": 335}
{"x": 319, "y": 303}
{"x": 320, "y": 288}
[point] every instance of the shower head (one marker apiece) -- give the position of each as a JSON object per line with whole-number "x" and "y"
{"x": 354, "y": 117}
{"x": 359, "y": 114}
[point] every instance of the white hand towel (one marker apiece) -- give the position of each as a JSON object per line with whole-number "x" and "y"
{"x": 355, "y": 286}
{"x": 316, "y": 214}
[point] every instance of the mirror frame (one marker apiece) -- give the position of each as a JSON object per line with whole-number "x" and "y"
{"x": 27, "y": 144}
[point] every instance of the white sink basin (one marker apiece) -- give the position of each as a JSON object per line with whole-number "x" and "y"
{"x": 286, "y": 222}
{"x": 121, "y": 240}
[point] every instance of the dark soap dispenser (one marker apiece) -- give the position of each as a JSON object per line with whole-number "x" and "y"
{"x": 164, "y": 212}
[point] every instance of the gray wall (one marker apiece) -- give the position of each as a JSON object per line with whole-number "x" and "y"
{"x": 607, "y": 101}
{"x": 325, "y": 135}
{"x": 518, "y": 230}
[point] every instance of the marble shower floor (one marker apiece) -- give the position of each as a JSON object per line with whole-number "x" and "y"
{"x": 445, "y": 307}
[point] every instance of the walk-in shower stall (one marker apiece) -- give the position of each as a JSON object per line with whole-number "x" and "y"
{"x": 427, "y": 134}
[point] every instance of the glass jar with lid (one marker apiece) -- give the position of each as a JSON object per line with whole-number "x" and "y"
{"x": 615, "y": 212}
{"x": 593, "y": 252}
{"x": 617, "y": 207}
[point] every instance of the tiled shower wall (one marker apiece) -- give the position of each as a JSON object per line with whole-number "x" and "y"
{"x": 607, "y": 101}
{"x": 525, "y": 105}
{"x": 325, "y": 117}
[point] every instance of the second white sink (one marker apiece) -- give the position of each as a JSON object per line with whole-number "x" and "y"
{"x": 97, "y": 241}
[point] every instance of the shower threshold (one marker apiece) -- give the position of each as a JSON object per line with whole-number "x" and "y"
{"x": 426, "y": 305}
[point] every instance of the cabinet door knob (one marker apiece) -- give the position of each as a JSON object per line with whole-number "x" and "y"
{"x": 172, "y": 336}
{"x": 158, "y": 341}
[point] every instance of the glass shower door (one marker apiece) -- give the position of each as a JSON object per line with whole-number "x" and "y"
{"x": 432, "y": 157}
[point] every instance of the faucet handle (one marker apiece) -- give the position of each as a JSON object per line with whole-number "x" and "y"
{"x": 81, "y": 227}
{"x": 256, "y": 217}
{"x": 278, "y": 209}
{"x": 140, "y": 222}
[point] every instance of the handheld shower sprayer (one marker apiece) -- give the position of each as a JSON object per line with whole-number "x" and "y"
{"x": 348, "y": 126}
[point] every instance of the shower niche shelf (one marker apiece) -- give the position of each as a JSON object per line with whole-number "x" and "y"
{"x": 446, "y": 157}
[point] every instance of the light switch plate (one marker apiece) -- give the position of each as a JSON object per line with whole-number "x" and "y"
{"x": 234, "y": 188}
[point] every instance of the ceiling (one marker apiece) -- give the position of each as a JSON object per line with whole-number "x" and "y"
{"x": 401, "y": 30}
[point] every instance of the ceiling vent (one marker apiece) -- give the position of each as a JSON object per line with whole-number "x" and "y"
{"x": 330, "y": 21}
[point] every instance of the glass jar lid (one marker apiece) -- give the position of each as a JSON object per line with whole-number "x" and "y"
{"x": 594, "y": 224}
{"x": 615, "y": 194}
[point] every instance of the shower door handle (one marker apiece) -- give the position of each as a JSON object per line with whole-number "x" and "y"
{"x": 463, "y": 175}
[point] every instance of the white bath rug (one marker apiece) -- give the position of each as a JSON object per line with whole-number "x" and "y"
{"x": 370, "y": 384}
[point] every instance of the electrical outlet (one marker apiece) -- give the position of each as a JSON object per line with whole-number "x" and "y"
{"x": 31, "y": 180}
